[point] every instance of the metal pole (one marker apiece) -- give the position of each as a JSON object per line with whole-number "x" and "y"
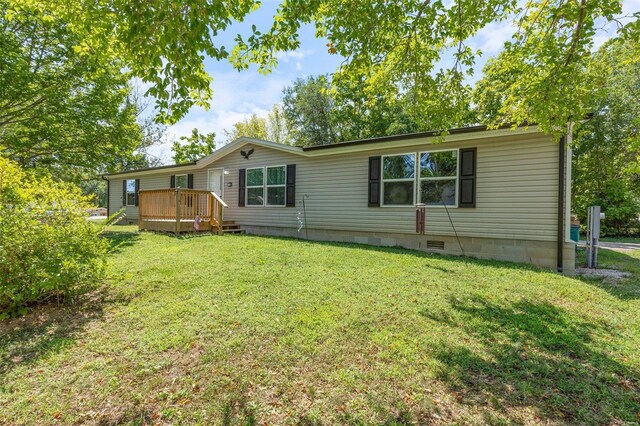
{"x": 593, "y": 236}
{"x": 304, "y": 209}
{"x": 588, "y": 238}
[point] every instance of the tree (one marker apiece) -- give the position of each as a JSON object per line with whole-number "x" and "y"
{"x": 273, "y": 128}
{"x": 139, "y": 157}
{"x": 395, "y": 47}
{"x": 541, "y": 76}
{"x": 49, "y": 250}
{"x": 193, "y": 147}
{"x": 252, "y": 127}
{"x": 365, "y": 115}
{"x": 277, "y": 127}
{"x": 319, "y": 113}
{"x": 391, "y": 46}
{"x": 308, "y": 107}
{"x": 163, "y": 43}
{"x": 60, "y": 109}
{"x": 606, "y": 168}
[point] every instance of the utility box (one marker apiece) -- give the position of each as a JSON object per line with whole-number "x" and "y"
{"x": 593, "y": 235}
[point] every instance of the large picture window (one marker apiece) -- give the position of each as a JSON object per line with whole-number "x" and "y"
{"x": 131, "y": 192}
{"x": 398, "y": 180}
{"x": 438, "y": 180}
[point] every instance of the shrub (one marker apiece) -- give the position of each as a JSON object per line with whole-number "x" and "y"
{"x": 48, "y": 248}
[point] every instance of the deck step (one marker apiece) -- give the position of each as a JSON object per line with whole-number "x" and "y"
{"x": 225, "y": 226}
{"x": 232, "y": 231}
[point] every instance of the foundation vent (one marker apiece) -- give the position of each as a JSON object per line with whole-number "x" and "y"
{"x": 435, "y": 245}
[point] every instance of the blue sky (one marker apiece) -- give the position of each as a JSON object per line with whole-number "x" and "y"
{"x": 237, "y": 95}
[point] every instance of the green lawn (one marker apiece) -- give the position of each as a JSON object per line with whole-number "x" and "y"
{"x": 621, "y": 239}
{"x": 244, "y": 330}
{"x": 626, "y": 260}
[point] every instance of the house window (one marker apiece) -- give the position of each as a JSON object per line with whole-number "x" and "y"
{"x": 438, "y": 180}
{"x": 182, "y": 181}
{"x": 131, "y": 192}
{"x": 276, "y": 185}
{"x": 398, "y": 179}
{"x": 255, "y": 187}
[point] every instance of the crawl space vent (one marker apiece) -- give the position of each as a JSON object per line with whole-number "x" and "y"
{"x": 435, "y": 245}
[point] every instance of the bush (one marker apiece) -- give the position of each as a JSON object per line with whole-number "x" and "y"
{"x": 48, "y": 248}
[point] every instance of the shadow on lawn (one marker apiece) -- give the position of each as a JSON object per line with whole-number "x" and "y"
{"x": 540, "y": 356}
{"x": 119, "y": 240}
{"x": 625, "y": 289}
{"x": 46, "y": 330}
{"x": 50, "y": 328}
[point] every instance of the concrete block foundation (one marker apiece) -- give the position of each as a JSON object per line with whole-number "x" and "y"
{"x": 538, "y": 253}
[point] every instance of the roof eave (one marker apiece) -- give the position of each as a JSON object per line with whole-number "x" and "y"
{"x": 417, "y": 135}
{"x": 151, "y": 169}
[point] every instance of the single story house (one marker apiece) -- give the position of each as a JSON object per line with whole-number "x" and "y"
{"x": 497, "y": 194}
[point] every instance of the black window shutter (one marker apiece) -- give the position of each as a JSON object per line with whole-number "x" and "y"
{"x": 467, "y": 196}
{"x": 137, "y": 191}
{"x": 190, "y": 181}
{"x": 173, "y": 181}
{"x": 241, "y": 186}
{"x": 291, "y": 185}
{"x": 124, "y": 192}
{"x": 374, "y": 181}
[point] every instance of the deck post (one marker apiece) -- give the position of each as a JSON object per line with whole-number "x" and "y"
{"x": 141, "y": 212}
{"x": 211, "y": 200}
{"x": 177, "y": 231}
{"x": 220, "y": 218}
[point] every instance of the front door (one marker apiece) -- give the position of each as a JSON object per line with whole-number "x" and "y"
{"x": 216, "y": 181}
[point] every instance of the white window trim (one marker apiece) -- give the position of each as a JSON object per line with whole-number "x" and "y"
{"x": 266, "y": 186}
{"x": 247, "y": 186}
{"x": 187, "y": 176}
{"x": 383, "y": 180}
{"x": 126, "y": 196}
{"x": 417, "y": 179}
{"x": 457, "y": 177}
{"x": 209, "y": 180}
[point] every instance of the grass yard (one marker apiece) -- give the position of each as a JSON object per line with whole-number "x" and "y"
{"x": 250, "y": 330}
{"x": 635, "y": 240}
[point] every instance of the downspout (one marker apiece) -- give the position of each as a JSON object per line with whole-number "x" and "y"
{"x": 561, "y": 189}
{"x": 108, "y": 193}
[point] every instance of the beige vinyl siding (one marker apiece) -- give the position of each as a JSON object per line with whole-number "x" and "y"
{"x": 516, "y": 190}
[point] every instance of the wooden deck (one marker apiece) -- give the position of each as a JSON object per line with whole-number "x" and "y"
{"x": 177, "y": 210}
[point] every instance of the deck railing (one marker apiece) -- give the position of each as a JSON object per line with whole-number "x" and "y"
{"x": 180, "y": 205}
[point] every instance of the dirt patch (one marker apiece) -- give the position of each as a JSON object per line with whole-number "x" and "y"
{"x": 610, "y": 276}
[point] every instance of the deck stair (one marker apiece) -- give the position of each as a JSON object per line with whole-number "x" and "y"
{"x": 231, "y": 227}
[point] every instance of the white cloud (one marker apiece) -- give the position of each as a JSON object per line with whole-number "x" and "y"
{"x": 491, "y": 38}
{"x": 233, "y": 89}
{"x": 236, "y": 97}
{"x": 298, "y": 54}
{"x": 205, "y": 122}
{"x": 298, "y": 66}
